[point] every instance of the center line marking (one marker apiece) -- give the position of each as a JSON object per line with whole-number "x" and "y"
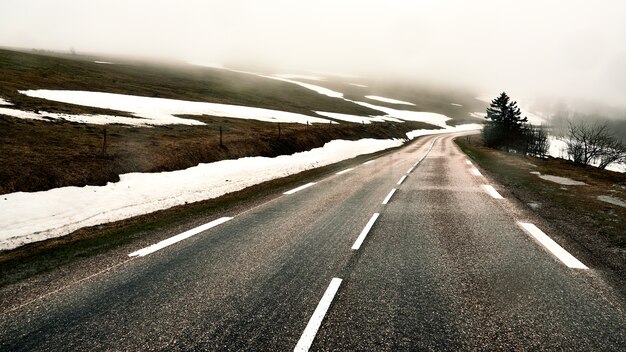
{"x": 344, "y": 171}
{"x": 174, "y": 239}
{"x": 300, "y": 188}
{"x": 552, "y": 246}
{"x": 366, "y": 230}
{"x": 401, "y": 180}
{"x": 318, "y": 315}
{"x": 411, "y": 169}
{"x": 475, "y": 172}
{"x": 492, "y": 191}
{"x": 388, "y": 198}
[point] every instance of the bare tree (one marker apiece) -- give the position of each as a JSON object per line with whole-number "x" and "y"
{"x": 614, "y": 153}
{"x": 589, "y": 143}
{"x": 535, "y": 140}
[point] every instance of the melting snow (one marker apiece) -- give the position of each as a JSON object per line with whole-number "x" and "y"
{"x": 407, "y": 115}
{"x": 449, "y": 129}
{"x": 30, "y": 217}
{"x": 388, "y": 100}
{"x": 613, "y": 200}
{"x": 558, "y": 179}
{"x": 295, "y": 76}
{"x": 159, "y": 111}
{"x": 479, "y": 115}
{"x": 357, "y": 118}
{"x": 318, "y": 89}
{"x": 93, "y": 119}
{"x": 558, "y": 149}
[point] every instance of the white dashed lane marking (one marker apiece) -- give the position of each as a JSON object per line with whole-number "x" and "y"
{"x": 366, "y": 230}
{"x": 300, "y": 188}
{"x": 174, "y": 239}
{"x": 554, "y": 248}
{"x": 388, "y": 198}
{"x": 492, "y": 191}
{"x": 318, "y": 316}
{"x": 345, "y": 171}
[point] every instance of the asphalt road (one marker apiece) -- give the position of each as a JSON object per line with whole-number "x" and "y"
{"x": 444, "y": 266}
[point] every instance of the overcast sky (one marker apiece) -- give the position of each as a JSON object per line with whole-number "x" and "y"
{"x": 568, "y": 48}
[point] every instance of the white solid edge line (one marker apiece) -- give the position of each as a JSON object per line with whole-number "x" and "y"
{"x": 410, "y": 170}
{"x": 300, "y": 188}
{"x": 366, "y": 230}
{"x": 475, "y": 172}
{"x": 492, "y": 191}
{"x": 368, "y": 162}
{"x": 344, "y": 171}
{"x": 401, "y": 180}
{"x": 308, "y": 335}
{"x": 388, "y": 198}
{"x": 554, "y": 248}
{"x": 174, "y": 239}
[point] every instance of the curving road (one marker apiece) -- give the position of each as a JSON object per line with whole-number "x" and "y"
{"x": 345, "y": 263}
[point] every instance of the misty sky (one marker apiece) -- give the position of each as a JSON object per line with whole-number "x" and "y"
{"x": 561, "y": 48}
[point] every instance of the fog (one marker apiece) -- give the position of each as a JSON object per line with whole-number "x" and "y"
{"x": 561, "y": 49}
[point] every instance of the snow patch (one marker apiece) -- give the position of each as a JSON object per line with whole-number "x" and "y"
{"x": 5, "y": 102}
{"x": 388, "y": 100}
{"x": 357, "y": 118}
{"x": 29, "y": 217}
{"x": 104, "y": 62}
{"x": 613, "y": 200}
{"x": 358, "y": 85}
{"x": 455, "y": 104}
{"x": 318, "y": 89}
{"x": 558, "y": 149}
{"x": 478, "y": 115}
{"x": 449, "y": 129}
{"x": 296, "y": 76}
{"x": 92, "y": 119}
{"x": 160, "y": 111}
{"x": 407, "y": 115}
{"x": 558, "y": 179}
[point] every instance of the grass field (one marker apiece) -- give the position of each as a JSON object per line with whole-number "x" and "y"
{"x": 597, "y": 227}
{"x": 40, "y": 155}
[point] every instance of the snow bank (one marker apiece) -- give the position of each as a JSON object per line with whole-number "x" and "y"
{"x": 159, "y": 111}
{"x": 388, "y": 100}
{"x": 30, "y": 217}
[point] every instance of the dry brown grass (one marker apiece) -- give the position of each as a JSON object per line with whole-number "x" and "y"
{"x": 597, "y": 227}
{"x": 40, "y": 155}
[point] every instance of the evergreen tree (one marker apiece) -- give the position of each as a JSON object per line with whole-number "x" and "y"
{"x": 505, "y": 128}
